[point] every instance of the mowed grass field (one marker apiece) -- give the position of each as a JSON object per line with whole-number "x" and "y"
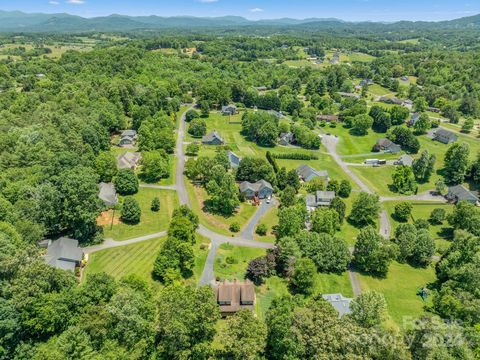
{"x": 400, "y": 289}
{"x": 349, "y": 144}
{"x": 135, "y": 259}
{"x": 150, "y": 222}
{"x": 231, "y": 261}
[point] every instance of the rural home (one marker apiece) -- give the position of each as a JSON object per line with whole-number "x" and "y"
{"x": 212, "y": 138}
{"x": 108, "y": 194}
{"x": 460, "y": 193}
{"x": 229, "y": 110}
{"x": 64, "y": 253}
{"x": 327, "y": 118}
{"x": 128, "y": 138}
{"x": 349, "y": 95}
{"x": 277, "y": 114}
{"x": 386, "y": 145}
{"x": 391, "y": 100}
{"x": 320, "y": 198}
{"x": 234, "y": 159}
{"x": 413, "y": 119}
{"x": 286, "y": 139}
{"x": 128, "y": 160}
{"x": 261, "y": 189}
{"x": 405, "y": 160}
{"x": 307, "y": 173}
{"x": 235, "y": 295}
{"x": 444, "y": 136}
{"x": 339, "y": 302}
{"x": 366, "y": 82}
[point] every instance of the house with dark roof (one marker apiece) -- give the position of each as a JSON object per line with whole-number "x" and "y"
{"x": 391, "y": 100}
{"x": 339, "y": 302}
{"x": 366, "y": 82}
{"x": 327, "y": 118}
{"x": 234, "y": 159}
{"x": 349, "y": 95}
{"x": 261, "y": 189}
{"x": 405, "y": 160}
{"x": 213, "y": 138}
{"x": 433, "y": 109}
{"x": 413, "y": 119}
{"x": 64, "y": 254}
{"x": 307, "y": 173}
{"x": 386, "y": 145}
{"x": 444, "y": 136}
{"x": 233, "y": 296}
{"x": 128, "y": 160}
{"x": 107, "y": 194}
{"x": 286, "y": 139}
{"x": 128, "y": 138}
{"x": 460, "y": 193}
{"x": 320, "y": 198}
{"x": 229, "y": 110}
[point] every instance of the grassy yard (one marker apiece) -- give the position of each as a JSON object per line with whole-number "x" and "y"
{"x": 126, "y": 260}
{"x": 231, "y": 261}
{"x": 379, "y": 90}
{"x": 270, "y": 219}
{"x": 400, "y": 288}
{"x": 150, "y": 221}
{"x": 349, "y": 144}
{"x": 201, "y": 251}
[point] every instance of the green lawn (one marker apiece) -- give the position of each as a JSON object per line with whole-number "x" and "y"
{"x": 231, "y": 261}
{"x": 126, "y": 260}
{"x": 200, "y": 250}
{"x": 379, "y": 90}
{"x": 400, "y": 288}
{"x": 150, "y": 222}
{"x": 270, "y": 219}
{"x": 349, "y": 144}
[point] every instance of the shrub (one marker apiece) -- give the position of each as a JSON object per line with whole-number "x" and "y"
{"x": 261, "y": 230}
{"x": 231, "y": 260}
{"x": 126, "y": 182}
{"x": 235, "y": 227}
{"x": 197, "y": 128}
{"x": 403, "y": 211}
{"x": 437, "y": 217}
{"x": 131, "y": 211}
{"x": 192, "y": 149}
{"x": 295, "y": 156}
{"x": 190, "y": 115}
{"x": 155, "y": 206}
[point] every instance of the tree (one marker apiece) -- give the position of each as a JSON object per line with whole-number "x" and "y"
{"x": 424, "y": 248}
{"x": 106, "y": 166}
{"x": 126, "y": 182}
{"x": 403, "y": 211}
{"x": 468, "y": 125}
{"x": 288, "y": 251}
{"x": 365, "y": 209}
{"x": 303, "y": 277}
{"x": 372, "y": 253}
{"x": 254, "y": 169}
{"x": 403, "y": 179}
{"x": 361, "y": 124}
{"x": 456, "y": 163}
{"x": 437, "y": 216}
{"x": 131, "y": 211}
{"x": 155, "y": 165}
{"x": 190, "y": 115}
{"x": 405, "y": 238}
{"x": 369, "y": 309}
{"x": 398, "y": 114}
{"x": 339, "y": 206}
{"x": 197, "y": 127}
{"x": 261, "y": 230}
{"x": 423, "y": 166}
{"x": 204, "y": 108}
{"x": 288, "y": 197}
{"x": 258, "y": 269}
{"x": 422, "y": 124}
{"x": 325, "y": 220}
{"x": 420, "y": 104}
{"x": 290, "y": 221}
{"x": 223, "y": 192}
{"x": 244, "y": 338}
{"x": 192, "y": 149}
{"x": 466, "y": 217}
{"x": 440, "y": 187}
{"x": 333, "y": 185}
{"x": 155, "y": 205}
{"x": 157, "y": 133}
{"x": 345, "y": 189}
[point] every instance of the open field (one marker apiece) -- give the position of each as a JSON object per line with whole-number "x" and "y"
{"x": 231, "y": 261}
{"x": 349, "y": 144}
{"x": 400, "y": 289}
{"x": 150, "y": 222}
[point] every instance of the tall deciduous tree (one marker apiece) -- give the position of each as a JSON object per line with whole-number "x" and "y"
{"x": 456, "y": 163}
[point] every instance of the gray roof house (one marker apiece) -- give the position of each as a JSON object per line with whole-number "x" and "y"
{"x": 320, "y": 198}
{"x": 108, "y": 194}
{"x": 234, "y": 159}
{"x": 64, "y": 253}
{"x": 285, "y": 139}
{"x": 406, "y": 160}
{"x": 307, "y": 173}
{"x": 339, "y": 302}
{"x": 261, "y": 188}
{"x": 460, "y": 193}
{"x": 128, "y": 137}
{"x": 413, "y": 119}
{"x": 445, "y": 136}
{"x": 213, "y": 138}
{"x": 128, "y": 160}
{"x": 229, "y": 110}
{"x": 350, "y": 95}
{"x": 385, "y": 144}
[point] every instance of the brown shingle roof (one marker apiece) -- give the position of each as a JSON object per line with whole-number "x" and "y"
{"x": 233, "y": 296}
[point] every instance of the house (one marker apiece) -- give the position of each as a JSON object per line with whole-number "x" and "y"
{"x": 408, "y": 104}
{"x": 128, "y": 138}
{"x": 366, "y": 82}
{"x": 235, "y": 295}
{"x": 386, "y": 145}
{"x": 64, "y": 254}
{"x": 277, "y": 114}
{"x": 307, "y": 173}
{"x": 460, "y": 193}
{"x": 433, "y": 109}
{"x": 261, "y": 189}
{"x": 392, "y": 100}
{"x": 350, "y": 95}
{"x": 339, "y": 302}
{"x": 261, "y": 88}
{"x": 445, "y": 136}
{"x": 128, "y": 160}
{"x": 212, "y": 138}
{"x": 286, "y": 139}
{"x": 229, "y": 110}
{"x": 405, "y": 160}
{"x": 234, "y": 159}
{"x": 404, "y": 78}
{"x": 413, "y": 119}
{"x": 320, "y": 198}
{"x": 327, "y": 118}
{"x": 107, "y": 194}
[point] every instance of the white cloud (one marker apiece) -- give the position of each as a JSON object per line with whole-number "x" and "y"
{"x": 53, "y": 2}
{"x": 76, "y": 2}
{"x": 256, "y": 10}
{"x": 207, "y": 1}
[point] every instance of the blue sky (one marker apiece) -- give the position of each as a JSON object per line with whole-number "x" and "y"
{"x": 353, "y": 10}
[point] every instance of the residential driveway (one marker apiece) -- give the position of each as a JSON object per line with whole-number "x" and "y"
{"x": 160, "y": 187}
{"x": 249, "y": 229}
{"x": 385, "y": 227}
{"x": 429, "y": 195}
{"x": 110, "y": 243}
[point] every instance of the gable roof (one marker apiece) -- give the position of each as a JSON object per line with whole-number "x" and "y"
{"x": 307, "y": 172}
{"x": 325, "y": 195}
{"x": 211, "y": 136}
{"x": 233, "y": 158}
{"x": 128, "y": 160}
{"x": 64, "y": 253}
{"x": 406, "y": 160}
{"x": 255, "y": 187}
{"x": 108, "y": 194}
{"x": 339, "y": 302}
{"x": 462, "y": 193}
{"x": 235, "y": 295}
{"x": 444, "y": 133}
{"x": 129, "y": 133}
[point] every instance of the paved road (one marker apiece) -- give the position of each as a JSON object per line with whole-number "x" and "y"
{"x": 110, "y": 243}
{"x": 160, "y": 187}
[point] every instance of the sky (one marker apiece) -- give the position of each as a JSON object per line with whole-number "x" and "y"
{"x": 350, "y": 10}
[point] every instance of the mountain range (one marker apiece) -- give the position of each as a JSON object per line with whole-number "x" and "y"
{"x": 16, "y": 21}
